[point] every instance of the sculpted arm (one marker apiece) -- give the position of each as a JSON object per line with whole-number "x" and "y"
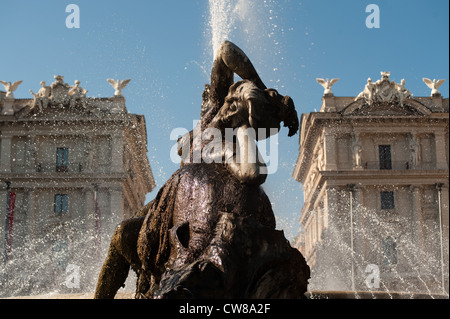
{"x": 231, "y": 59}
{"x": 246, "y": 163}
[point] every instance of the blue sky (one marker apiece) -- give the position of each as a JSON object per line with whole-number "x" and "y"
{"x": 165, "y": 48}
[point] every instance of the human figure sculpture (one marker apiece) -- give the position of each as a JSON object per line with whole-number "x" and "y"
{"x": 415, "y": 149}
{"x": 403, "y": 92}
{"x": 42, "y": 97}
{"x": 384, "y": 91}
{"x": 210, "y": 231}
{"x": 357, "y": 150}
{"x": 242, "y": 105}
{"x": 76, "y": 93}
{"x": 368, "y": 93}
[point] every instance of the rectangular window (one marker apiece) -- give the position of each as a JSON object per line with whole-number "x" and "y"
{"x": 62, "y": 159}
{"x": 387, "y": 200}
{"x": 389, "y": 251}
{"x": 385, "y": 156}
{"x": 61, "y": 203}
{"x": 60, "y": 254}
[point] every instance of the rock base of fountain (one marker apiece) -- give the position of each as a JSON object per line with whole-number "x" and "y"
{"x": 205, "y": 236}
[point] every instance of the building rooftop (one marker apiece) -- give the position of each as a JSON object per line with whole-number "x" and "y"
{"x": 63, "y": 108}
{"x": 382, "y": 105}
{"x": 61, "y": 95}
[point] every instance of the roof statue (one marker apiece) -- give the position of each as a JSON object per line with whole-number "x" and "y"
{"x": 59, "y": 91}
{"x": 433, "y": 85}
{"x": 118, "y": 85}
{"x": 59, "y": 81}
{"x": 10, "y": 88}
{"x": 403, "y": 93}
{"x": 59, "y": 94}
{"x": 44, "y": 91}
{"x": 77, "y": 91}
{"x": 327, "y": 84}
{"x": 41, "y": 98}
{"x": 384, "y": 91}
{"x": 367, "y": 94}
{"x": 385, "y": 75}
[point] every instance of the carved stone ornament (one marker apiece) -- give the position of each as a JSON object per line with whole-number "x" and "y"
{"x": 327, "y": 84}
{"x": 41, "y": 98}
{"x": 118, "y": 85}
{"x": 59, "y": 91}
{"x": 384, "y": 91}
{"x": 433, "y": 85}
{"x": 10, "y": 88}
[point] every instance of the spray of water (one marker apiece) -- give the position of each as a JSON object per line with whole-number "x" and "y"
{"x": 254, "y": 26}
{"x": 59, "y": 261}
{"x": 220, "y": 22}
{"x": 408, "y": 267}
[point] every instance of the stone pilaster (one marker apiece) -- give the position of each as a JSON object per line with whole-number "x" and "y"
{"x": 445, "y": 233}
{"x": 5, "y": 154}
{"x": 3, "y": 194}
{"x": 330, "y": 151}
{"x": 89, "y": 210}
{"x": 8, "y": 104}
{"x": 117, "y": 204}
{"x": 358, "y": 219}
{"x": 331, "y": 206}
{"x": 117, "y": 152}
{"x": 441, "y": 156}
{"x": 417, "y": 225}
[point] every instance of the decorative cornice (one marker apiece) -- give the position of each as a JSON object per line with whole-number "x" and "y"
{"x": 384, "y": 91}
{"x": 409, "y": 107}
{"x": 60, "y": 95}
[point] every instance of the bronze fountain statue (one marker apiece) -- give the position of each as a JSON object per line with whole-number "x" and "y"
{"x": 210, "y": 231}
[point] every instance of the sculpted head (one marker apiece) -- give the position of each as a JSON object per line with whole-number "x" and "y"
{"x": 248, "y": 105}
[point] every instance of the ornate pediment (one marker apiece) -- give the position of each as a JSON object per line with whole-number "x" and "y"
{"x": 410, "y": 107}
{"x": 384, "y": 91}
{"x": 58, "y": 95}
{"x": 385, "y": 98}
{"x": 61, "y": 99}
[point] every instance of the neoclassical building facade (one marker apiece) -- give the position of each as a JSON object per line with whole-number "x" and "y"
{"x": 375, "y": 176}
{"x": 71, "y": 168}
